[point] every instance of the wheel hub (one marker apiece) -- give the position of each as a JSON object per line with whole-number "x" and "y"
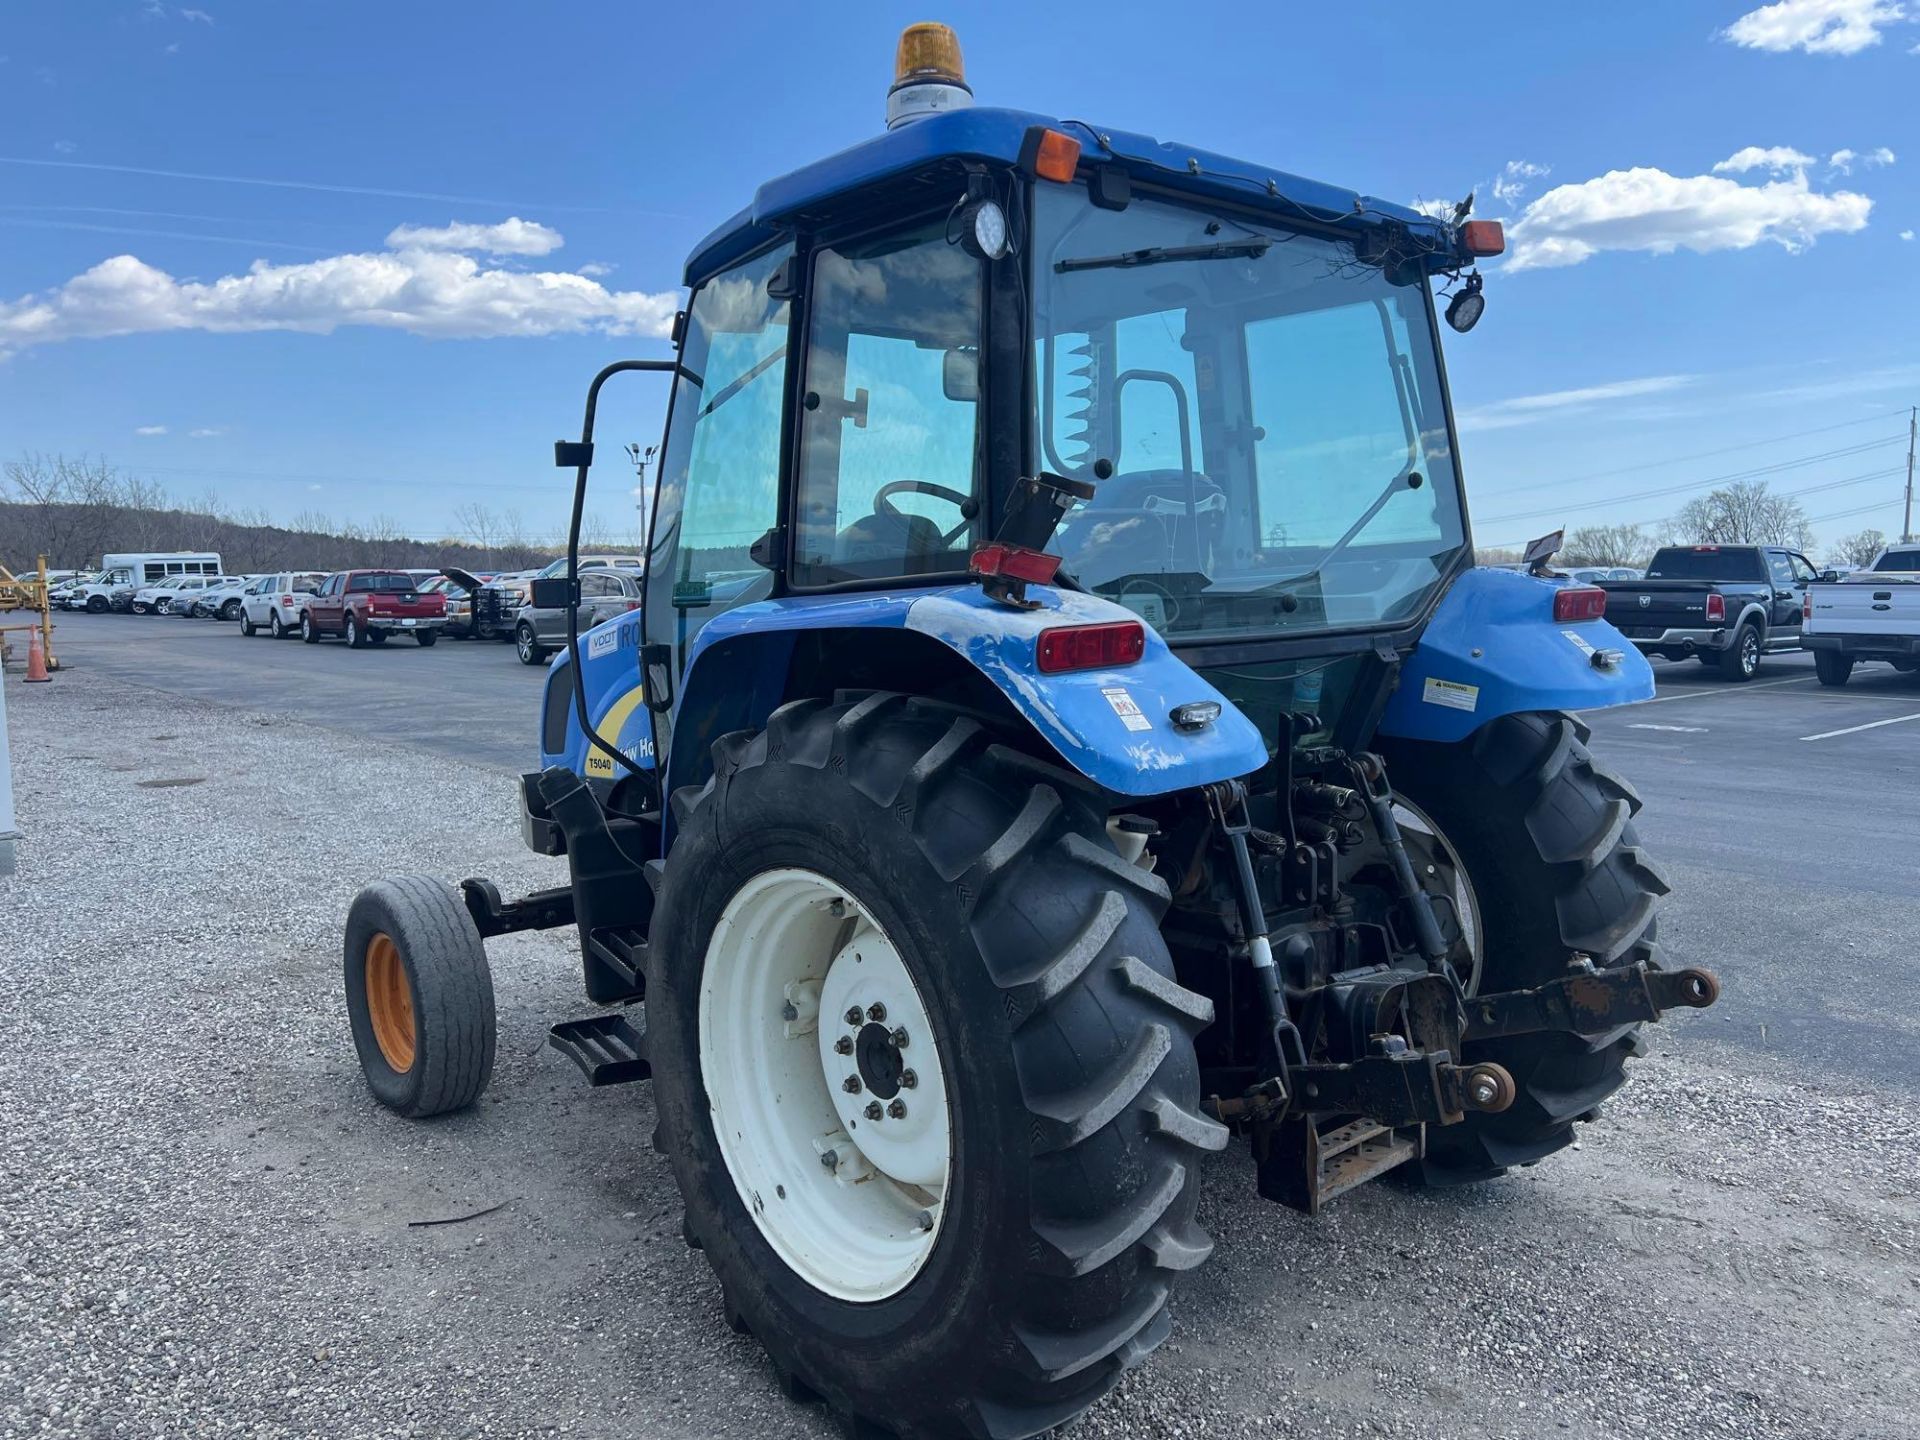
{"x": 827, "y": 1093}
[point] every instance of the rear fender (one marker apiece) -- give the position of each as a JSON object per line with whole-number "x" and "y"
{"x": 1493, "y": 648}
{"x": 1111, "y": 726}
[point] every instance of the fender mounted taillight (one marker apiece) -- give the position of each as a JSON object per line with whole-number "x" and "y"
{"x": 1579, "y": 602}
{"x": 1716, "y": 607}
{"x": 1090, "y": 647}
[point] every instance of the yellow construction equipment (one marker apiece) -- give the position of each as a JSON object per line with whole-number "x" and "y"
{"x": 27, "y": 593}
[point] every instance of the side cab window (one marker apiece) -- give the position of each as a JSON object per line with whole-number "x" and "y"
{"x": 720, "y": 474}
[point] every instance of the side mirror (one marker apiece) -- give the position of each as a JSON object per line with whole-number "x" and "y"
{"x": 551, "y": 594}
{"x": 1828, "y": 575}
{"x": 960, "y": 373}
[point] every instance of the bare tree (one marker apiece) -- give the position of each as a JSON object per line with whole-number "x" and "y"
{"x": 1606, "y": 545}
{"x": 1495, "y": 556}
{"x": 1747, "y": 513}
{"x": 478, "y": 525}
{"x": 1857, "y": 550}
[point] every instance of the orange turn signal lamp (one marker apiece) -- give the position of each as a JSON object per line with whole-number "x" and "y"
{"x": 1049, "y": 155}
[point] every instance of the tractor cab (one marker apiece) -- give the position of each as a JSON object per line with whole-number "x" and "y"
{"x": 1230, "y": 376}
{"x": 1064, "y": 731}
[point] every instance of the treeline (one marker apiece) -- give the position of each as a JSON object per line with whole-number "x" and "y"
{"x": 73, "y": 511}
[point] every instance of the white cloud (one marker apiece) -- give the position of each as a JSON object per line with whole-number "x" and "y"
{"x": 425, "y": 292}
{"x": 1776, "y": 158}
{"x": 149, "y": 429}
{"x": 1906, "y": 235}
{"x": 207, "y": 432}
{"x": 510, "y": 237}
{"x": 64, "y": 147}
{"x": 1819, "y": 27}
{"x": 1841, "y": 162}
{"x": 1527, "y": 409}
{"x": 1649, "y": 210}
{"x": 596, "y": 268}
{"x": 199, "y": 15}
{"x": 1512, "y": 181}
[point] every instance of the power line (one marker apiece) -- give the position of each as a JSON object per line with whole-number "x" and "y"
{"x": 1878, "y": 415}
{"x": 1681, "y": 489}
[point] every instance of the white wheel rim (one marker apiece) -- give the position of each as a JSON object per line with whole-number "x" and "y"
{"x": 1428, "y": 847}
{"x": 851, "y": 1204}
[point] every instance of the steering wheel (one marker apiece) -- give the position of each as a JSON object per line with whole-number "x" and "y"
{"x": 883, "y": 503}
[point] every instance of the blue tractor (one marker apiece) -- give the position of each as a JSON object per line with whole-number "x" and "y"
{"x": 1065, "y": 730}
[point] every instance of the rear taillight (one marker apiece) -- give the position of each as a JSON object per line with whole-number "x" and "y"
{"x": 287, "y": 600}
{"x": 1016, "y": 562}
{"x": 1091, "y": 647}
{"x": 1579, "y": 602}
{"x": 1716, "y": 607}
{"x": 633, "y": 604}
{"x": 1806, "y": 604}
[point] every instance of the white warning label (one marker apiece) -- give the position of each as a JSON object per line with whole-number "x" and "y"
{"x": 1123, "y": 705}
{"x": 1452, "y": 694}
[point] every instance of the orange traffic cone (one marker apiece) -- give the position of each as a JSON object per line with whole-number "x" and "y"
{"x": 36, "y": 660}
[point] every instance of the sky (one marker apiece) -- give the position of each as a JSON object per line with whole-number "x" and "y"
{"x": 361, "y": 259}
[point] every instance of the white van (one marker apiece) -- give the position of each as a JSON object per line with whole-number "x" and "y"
{"x": 127, "y": 573}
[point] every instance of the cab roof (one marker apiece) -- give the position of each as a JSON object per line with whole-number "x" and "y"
{"x": 996, "y": 135}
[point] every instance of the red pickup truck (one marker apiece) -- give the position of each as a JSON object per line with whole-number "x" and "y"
{"x": 366, "y": 606}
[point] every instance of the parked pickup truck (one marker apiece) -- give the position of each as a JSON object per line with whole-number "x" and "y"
{"x": 1872, "y": 614}
{"x": 366, "y": 606}
{"x": 1723, "y": 605}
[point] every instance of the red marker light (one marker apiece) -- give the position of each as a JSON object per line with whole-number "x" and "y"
{"x": 1483, "y": 237}
{"x": 1579, "y": 602}
{"x": 1716, "y": 607}
{"x": 1091, "y": 647}
{"x": 1016, "y": 562}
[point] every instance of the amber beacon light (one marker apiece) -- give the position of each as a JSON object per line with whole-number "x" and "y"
{"x": 928, "y": 74}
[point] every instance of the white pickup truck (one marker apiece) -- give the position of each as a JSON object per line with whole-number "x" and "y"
{"x": 1872, "y": 614}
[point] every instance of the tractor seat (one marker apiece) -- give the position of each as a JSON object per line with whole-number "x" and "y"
{"x": 913, "y": 539}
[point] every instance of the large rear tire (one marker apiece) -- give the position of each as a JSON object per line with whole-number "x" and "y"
{"x": 1066, "y": 1048}
{"x": 1545, "y": 834}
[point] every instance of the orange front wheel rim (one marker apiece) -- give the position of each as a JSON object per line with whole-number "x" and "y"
{"x": 390, "y": 1003}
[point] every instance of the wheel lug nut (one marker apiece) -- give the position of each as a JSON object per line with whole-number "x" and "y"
{"x": 908, "y": 1079}
{"x": 874, "y": 1111}
{"x": 789, "y": 1012}
{"x": 924, "y": 1220}
{"x": 851, "y": 1084}
{"x": 843, "y": 1046}
{"x": 830, "y": 1159}
{"x": 876, "y": 1012}
{"x": 898, "y": 1039}
{"x": 853, "y": 1015}
{"x": 898, "y": 1109}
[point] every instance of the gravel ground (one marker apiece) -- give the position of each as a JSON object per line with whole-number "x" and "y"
{"x": 204, "y": 1217}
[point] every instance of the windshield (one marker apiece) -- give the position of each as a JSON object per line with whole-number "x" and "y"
{"x": 1707, "y": 562}
{"x": 1260, "y": 413}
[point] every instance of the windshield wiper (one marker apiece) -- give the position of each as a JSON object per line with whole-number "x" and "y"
{"x": 1410, "y": 480}
{"x": 1164, "y": 254}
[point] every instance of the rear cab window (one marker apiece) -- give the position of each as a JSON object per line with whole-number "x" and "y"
{"x": 1706, "y": 562}
{"x": 1895, "y": 561}
{"x": 382, "y": 583}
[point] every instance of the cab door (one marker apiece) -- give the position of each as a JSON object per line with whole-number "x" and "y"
{"x": 717, "y": 509}
{"x": 1783, "y": 609}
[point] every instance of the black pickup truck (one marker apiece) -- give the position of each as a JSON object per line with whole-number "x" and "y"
{"x": 1723, "y": 605}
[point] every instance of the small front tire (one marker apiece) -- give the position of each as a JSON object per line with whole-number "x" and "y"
{"x": 419, "y": 996}
{"x": 247, "y": 627}
{"x": 97, "y": 605}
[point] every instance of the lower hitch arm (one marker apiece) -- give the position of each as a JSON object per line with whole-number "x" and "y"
{"x": 1591, "y": 1001}
{"x": 1228, "y": 802}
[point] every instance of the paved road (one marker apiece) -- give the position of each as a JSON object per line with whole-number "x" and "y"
{"x": 463, "y": 698}
{"x": 1789, "y": 817}
{"x": 1786, "y": 811}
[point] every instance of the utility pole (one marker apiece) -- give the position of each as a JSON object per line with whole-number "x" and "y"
{"x": 1906, "y": 515}
{"x": 641, "y": 458}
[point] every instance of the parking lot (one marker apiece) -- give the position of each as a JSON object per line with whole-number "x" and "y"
{"x": 207, "y": 1226}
